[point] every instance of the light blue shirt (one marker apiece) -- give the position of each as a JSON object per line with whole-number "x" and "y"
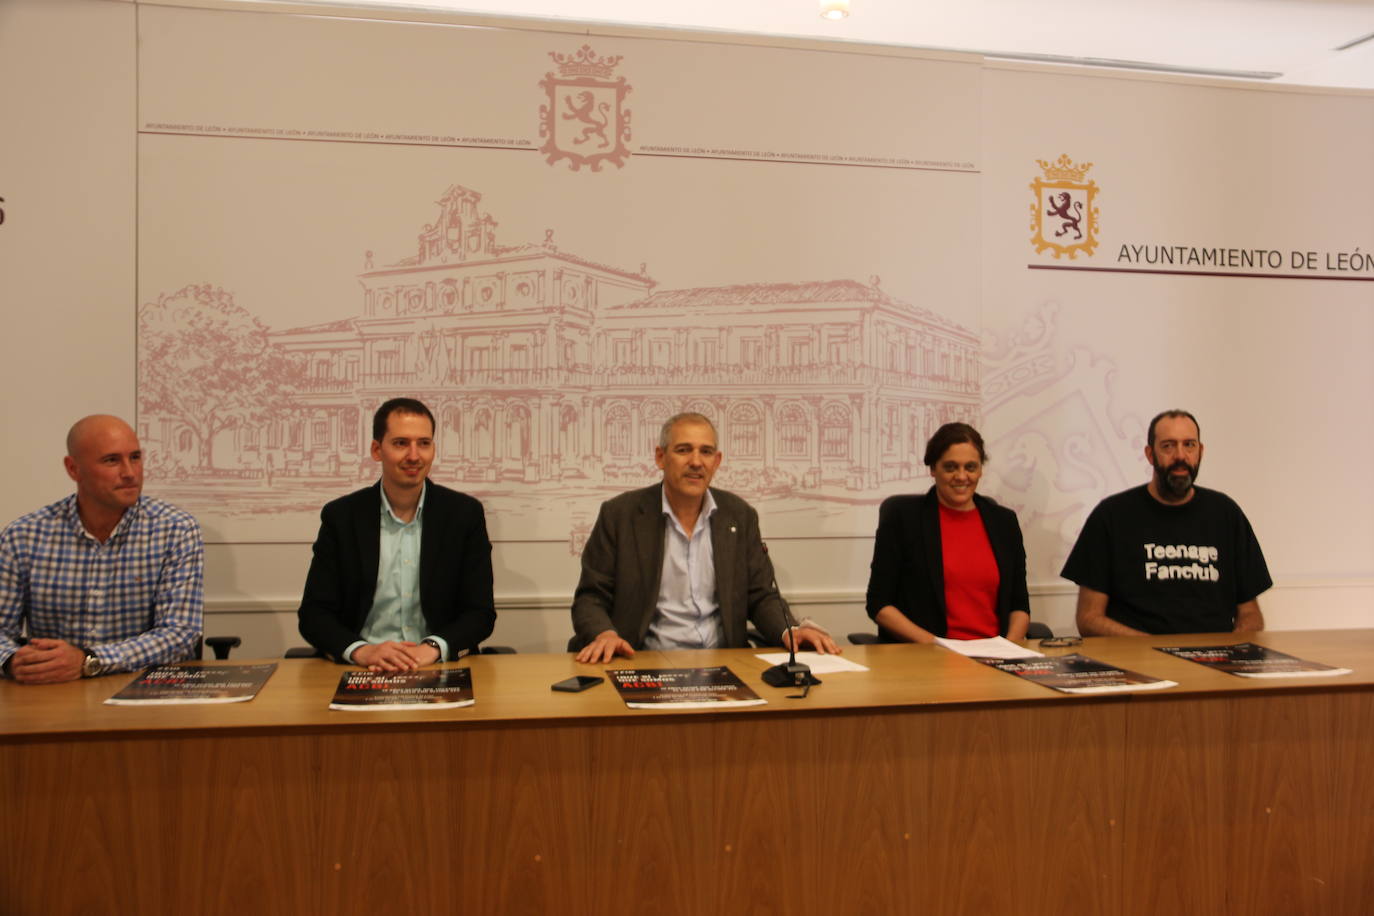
{"x": 396, "y": 613}
{"x": 688, "y": 613}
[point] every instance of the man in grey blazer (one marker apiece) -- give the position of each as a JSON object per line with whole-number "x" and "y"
{"x": 680, "y": 566}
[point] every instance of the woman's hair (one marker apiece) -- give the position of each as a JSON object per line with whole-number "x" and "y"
{"x": 953, "y": 434}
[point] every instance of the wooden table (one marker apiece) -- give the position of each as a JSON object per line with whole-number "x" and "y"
{"x": 930, "y": 784}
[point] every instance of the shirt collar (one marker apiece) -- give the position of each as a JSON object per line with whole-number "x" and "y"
{"x": 708, "y": 505}
{"x": 73, "y": 514}
{"x": 419, "y": 507}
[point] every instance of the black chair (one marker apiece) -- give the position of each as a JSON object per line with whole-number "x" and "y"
{"x": 1034, "y": 630}
{"x": 219, "y": 645}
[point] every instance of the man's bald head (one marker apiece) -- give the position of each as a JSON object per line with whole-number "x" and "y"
{"x": 105, "y": 459}
{"x": 95, "y": 426}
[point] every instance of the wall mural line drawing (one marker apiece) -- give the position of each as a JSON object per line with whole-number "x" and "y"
{"x": 549, "y": 375}
{"x": 1057, "y": 441}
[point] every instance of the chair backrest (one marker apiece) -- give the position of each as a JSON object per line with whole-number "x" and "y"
{"x": 1034, "y": 630}
{"x": 219, "y": 645}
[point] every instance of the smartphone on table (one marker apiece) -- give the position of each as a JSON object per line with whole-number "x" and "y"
{"x": 578, "y": 684}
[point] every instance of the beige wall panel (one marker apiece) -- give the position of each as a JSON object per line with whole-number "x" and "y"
{"x": 1077, "y": 361}
{"x": 67, "y": 240}
{"x": 431, "y": 80}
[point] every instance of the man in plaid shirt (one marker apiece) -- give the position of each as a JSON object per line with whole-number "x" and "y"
{"x": 106, "y": 579}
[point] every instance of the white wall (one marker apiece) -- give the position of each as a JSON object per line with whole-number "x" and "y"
{"x": 1278, "y": 370}
{"x": 1275, "y": 368}
{"x": 67, "y": 245}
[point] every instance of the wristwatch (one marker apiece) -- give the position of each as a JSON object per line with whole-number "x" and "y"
{"x": 91, "y": 665}
{"x": 437, "y": 648}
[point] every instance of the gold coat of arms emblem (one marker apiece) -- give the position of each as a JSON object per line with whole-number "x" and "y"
{"x": 1064, "y": 217}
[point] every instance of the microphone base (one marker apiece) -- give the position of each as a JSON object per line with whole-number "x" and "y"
{"x": 790, "y": 675}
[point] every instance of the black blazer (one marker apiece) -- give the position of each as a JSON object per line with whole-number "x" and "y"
{"x": 455, "y": 571}
{"x": 908, "y": 566}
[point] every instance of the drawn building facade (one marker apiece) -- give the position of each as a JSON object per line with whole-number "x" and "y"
{"x": 543, "y": 366}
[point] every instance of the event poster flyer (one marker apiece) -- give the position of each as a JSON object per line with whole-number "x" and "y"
{"x": 682, "y": 688}
{"x": 163, "y": 685}
{"x": 441, "y": 688}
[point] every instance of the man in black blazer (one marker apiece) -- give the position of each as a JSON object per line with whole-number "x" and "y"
{"x": 401, "y": 575}
{"x": 648, "y": 579}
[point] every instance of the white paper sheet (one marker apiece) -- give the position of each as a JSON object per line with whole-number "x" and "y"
{"x": 820, "y": 664}
{"x": 993, "y": 647}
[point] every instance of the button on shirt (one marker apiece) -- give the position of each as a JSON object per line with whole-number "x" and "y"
{"x": 688, "y": 614}
{"x": 135, "y": 600}
{"x": 396, "y": 613}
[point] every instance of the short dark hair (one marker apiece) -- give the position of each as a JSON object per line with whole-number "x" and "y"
{"x": 1150, "y": 432}
{"x": 397, "y": 405}
{"x": 952, "y": 434}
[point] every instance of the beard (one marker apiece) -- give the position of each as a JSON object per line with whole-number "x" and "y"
{"x": 1176, "y": 488}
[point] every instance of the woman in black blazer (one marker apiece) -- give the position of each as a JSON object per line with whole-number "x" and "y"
{"x": 948, "y": 563}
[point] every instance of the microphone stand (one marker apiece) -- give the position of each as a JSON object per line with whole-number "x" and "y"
{"x": 791, "y": 673}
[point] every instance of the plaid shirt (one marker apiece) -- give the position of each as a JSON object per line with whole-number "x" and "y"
{"x": 135, "y": 600}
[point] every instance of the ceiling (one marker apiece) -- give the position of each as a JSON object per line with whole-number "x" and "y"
{"x": 1284, "y": 41}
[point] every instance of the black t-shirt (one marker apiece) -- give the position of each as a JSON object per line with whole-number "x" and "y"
{"x": 1170, "y": 569}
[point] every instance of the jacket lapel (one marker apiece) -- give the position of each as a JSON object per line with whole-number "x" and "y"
{"x": 649, "y": 532}
{"x": 430, "y": 539}
{"x": 998, "y": 554}
{"x": 930, "y": 538}
{"x": 725, "y": 553}
{"x": 367, "y": 527}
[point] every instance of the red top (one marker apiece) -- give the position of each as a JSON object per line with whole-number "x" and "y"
{"x": 971, "y": 576}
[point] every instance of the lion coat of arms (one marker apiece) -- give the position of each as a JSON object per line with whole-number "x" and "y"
{"x": 1063, "y": 217}
{"x": 585, "y": 119}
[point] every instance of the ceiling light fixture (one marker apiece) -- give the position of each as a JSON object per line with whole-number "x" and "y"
{"x": 834, "y": 9}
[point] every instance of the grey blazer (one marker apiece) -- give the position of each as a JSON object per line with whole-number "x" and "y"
{"x": 623, "y": 562}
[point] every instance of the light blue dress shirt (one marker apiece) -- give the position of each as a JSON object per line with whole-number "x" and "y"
{"x": 396, "y": 613}
{"x": 688, "y": 613}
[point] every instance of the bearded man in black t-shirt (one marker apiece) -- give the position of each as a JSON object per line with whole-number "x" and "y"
{"x": 1168, "y": 557}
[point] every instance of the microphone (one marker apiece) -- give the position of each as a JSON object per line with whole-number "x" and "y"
{"x": 791, "y": 673}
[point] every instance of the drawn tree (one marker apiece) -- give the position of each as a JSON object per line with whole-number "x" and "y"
{"x": 207, "y": 362}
